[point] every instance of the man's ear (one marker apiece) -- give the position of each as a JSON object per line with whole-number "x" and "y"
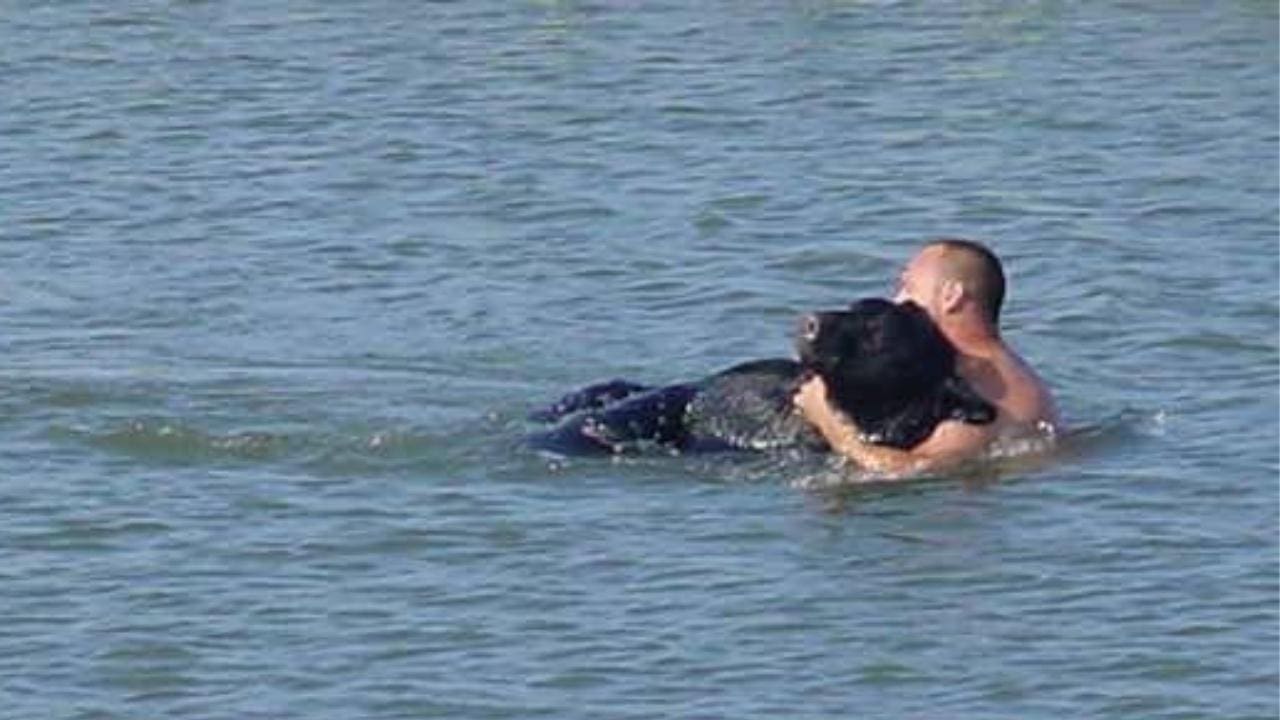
{"x": 953, "y": 294}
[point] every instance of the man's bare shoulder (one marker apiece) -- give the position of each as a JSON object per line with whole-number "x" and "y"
{"x": 1026, "y": 399}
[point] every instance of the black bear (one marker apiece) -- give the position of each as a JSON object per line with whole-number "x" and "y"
{"x": 885, "y": 365}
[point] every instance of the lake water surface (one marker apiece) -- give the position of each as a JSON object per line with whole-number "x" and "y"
{"x": 280, "y": 281}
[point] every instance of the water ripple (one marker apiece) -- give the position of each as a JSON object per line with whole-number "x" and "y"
{"x": 280, "y": 284}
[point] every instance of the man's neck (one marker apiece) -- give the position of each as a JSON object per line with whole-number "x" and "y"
{"x": 972, "y": 338}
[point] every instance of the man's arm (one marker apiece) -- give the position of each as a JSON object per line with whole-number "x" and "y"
{"x": 950, "y": 442}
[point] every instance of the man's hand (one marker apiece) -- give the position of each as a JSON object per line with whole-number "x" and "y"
{"x": 839, "y": 429}
{"x": 811, "y": 401}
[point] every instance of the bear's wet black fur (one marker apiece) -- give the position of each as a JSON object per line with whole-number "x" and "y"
{"x": 885, "y": 365}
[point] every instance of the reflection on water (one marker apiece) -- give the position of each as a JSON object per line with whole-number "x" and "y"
{"x": 280, "y": 284}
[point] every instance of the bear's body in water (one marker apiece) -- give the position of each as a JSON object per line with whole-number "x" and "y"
{"x": 885, "y": 365}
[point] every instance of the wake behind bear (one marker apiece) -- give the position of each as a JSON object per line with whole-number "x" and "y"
{"x": 886, "y": 366}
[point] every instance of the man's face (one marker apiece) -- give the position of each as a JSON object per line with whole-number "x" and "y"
{"x": 919, "y": 281}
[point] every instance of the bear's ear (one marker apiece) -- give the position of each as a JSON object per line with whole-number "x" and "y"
{"x": 960, "y": 402}
{"x": 914, "y": 313}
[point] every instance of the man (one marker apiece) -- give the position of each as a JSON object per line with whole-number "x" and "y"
{"x": 961, "y": 285}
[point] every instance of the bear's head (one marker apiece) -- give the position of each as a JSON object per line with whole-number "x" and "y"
{"x": 889, "y": 368}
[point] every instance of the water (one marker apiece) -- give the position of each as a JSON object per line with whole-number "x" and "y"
{"x": 280, "y": 281}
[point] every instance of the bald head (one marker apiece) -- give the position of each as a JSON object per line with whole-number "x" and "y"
{"x": 976, "y": 268}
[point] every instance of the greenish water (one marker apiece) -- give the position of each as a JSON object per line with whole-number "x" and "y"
{"x": 280, "y": 282}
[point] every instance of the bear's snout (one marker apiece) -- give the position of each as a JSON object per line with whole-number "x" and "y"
{"x": 810, "y": 325}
